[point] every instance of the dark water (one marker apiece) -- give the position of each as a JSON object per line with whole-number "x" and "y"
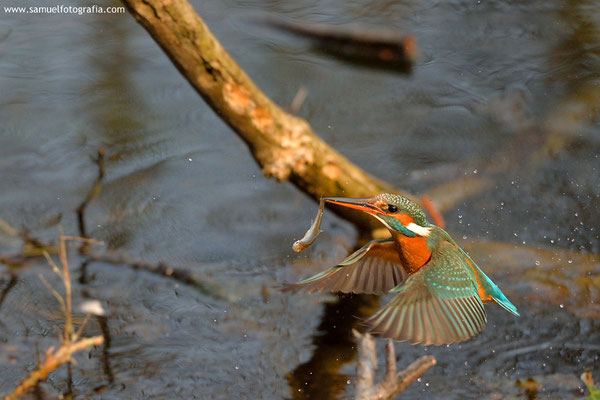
{"x": 507, "y": 91}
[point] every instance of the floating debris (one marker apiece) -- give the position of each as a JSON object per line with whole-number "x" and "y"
{"x": 375, "y": 47}
{"x": 93, "y": 307}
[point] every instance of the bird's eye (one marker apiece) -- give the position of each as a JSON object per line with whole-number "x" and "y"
{"x": 392, "y": 208}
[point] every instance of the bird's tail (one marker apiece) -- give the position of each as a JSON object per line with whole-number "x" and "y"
{"x": 500, "y": 299}
{"x": 491, "y": 289}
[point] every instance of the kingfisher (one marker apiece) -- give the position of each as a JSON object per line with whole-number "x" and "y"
{"x": 439, "y": 290}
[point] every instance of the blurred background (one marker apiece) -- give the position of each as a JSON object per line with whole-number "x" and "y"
{"x": 504, "y": 93}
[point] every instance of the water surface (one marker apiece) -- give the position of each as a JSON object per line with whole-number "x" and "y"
{"x": 505, "y": 90}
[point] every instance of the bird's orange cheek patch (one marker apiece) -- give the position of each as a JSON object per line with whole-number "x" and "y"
{"x": 404, "y": 219}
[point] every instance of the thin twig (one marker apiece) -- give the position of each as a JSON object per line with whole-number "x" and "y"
{"x": 67, "y": 281}
{"x": 94, "y": 192}
{"x": 6, "y": 228}
{"x": 61, "y": 301}
{"x": 70, "y": 342}
{"x": 53, "y": 360}
{"x": 298, "y": 100}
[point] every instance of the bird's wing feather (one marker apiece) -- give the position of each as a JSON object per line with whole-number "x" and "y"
{"x": 374, "y": 268}
{"x": 439, "y": 304}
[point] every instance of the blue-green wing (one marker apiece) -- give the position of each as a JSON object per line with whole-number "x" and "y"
{"x": 374, "y": 268}
{"x": 439, "y": 304}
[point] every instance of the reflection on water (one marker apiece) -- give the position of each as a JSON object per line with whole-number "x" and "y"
{"x": 505, "y": 91}
{"x": 320, "y": 377}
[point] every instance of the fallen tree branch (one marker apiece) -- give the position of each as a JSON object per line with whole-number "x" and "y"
{"x": 285, "y": 146}
{"x": 393, "y": 383}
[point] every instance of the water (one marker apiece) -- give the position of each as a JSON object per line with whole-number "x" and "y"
{"x": 506, "y": 89}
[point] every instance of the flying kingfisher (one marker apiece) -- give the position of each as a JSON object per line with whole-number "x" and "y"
{"x": 440, "y": 291}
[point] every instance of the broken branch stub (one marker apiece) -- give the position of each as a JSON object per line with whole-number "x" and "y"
{"x": 393, "y": 383}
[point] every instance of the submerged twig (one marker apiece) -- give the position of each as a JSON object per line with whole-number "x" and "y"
{"x": 165, "y": 270}
{"x": 11, "y": 283}
{"x": 298, "y": 100}
{"x": 95, "y": 191}
{"x": 312, "y": 232}
{"x": 393, "y": 383}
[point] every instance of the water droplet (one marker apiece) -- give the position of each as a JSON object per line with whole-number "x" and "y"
{"x": 189, "y": 159}
{"x": 570, "y": 261}
{"x": 562, "y": 306}
{"x": 237, "y": 367}
{"x": 348, "y": 382}
{"x": 426, "y": 383}
{"x": 418, "y": 379}
{"x": 537, "y": 262}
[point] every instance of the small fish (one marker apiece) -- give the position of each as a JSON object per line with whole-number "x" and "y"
{"x": 312, "y": 232}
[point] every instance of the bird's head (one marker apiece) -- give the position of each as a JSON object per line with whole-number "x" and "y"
{"x": 396, "y": 212}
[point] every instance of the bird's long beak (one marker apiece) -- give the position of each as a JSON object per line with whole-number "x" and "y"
{"x": 357, "y": 204}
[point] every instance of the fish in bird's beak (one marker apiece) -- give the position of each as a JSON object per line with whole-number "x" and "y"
{"x": 365, "y": 205}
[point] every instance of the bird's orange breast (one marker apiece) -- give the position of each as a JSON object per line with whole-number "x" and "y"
{"x": 413, "y": 251}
